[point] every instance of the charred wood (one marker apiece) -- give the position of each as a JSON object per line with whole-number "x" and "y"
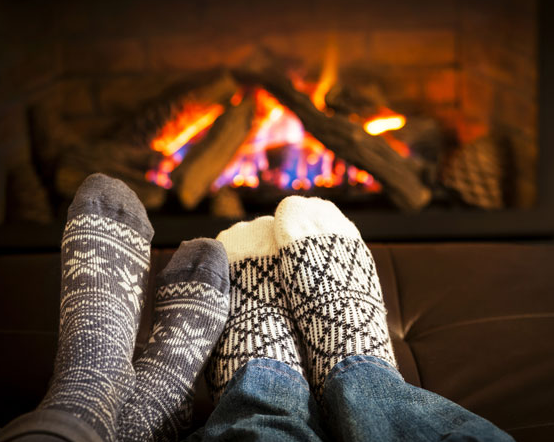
{"x": 207, "y": 159}
{"x": 117, "y": 160}
{"x": 145, "y": 125}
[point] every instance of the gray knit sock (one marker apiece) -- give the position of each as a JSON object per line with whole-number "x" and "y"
{"x": 192, "y": 305}
{"x": 105, "y": 263}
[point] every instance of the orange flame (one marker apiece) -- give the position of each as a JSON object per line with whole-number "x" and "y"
{"x": 273, "y": 126}
{"x": 193, "y": 120}
{"x": 385, "y": 121}
{"x": 189, "y": 124}
{"x": 328, "y": 76}
{"x": 379, "y": 124}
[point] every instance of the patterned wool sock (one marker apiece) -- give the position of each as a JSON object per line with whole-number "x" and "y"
{"x": 259, "y": 324}
{"x": 192, "y": 305}
{"x": 330, "y": 279}
{"x": 105, "y": 263}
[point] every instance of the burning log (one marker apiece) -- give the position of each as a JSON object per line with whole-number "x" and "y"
{"x": 226, "y": 203}
{"x": 122, "y": 161}
{"x": 216, "y": 88}
{"x": 349, "y": 141}
{"x": 347, "y": 100}
{"x": 66, "y": 159}
{"x": 424, "y": 137}
{"x": 207, "y": 159}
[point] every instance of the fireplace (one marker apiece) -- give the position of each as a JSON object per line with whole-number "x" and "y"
{"x": 215, "y": 112}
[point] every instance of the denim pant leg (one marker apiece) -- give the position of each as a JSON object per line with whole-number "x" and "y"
{"x": 266, "y": 400}
{"x": 368, "y": 400}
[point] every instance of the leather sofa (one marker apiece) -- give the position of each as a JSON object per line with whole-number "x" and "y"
{"x": 473, "y": 322}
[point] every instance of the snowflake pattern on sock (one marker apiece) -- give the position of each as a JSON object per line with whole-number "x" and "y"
{"x": 189, "y": 317}
{"x": 105, "y": 267}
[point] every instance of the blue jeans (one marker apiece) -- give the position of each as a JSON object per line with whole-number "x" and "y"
{"x": 365, "y": 399}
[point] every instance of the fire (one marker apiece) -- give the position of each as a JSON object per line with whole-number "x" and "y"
{"x": 191, "y": 121}
{"x": 272, "y": 127}
{"x": 384, "y": 122}
{"x": 378, "y": 125}
{"x": 305, "y": 163}
{"x": 176, "y": 136}
{"x": 328, "y": 76}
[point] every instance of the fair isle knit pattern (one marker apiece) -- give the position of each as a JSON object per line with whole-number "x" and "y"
{"x": 259, "y": 325}
{"x": 105, "y": 267}
{"x": 189, "y": 317}
{"x": 337, "y": 302}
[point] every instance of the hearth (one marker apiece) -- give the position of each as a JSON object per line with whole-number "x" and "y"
{"x": 212, "y": 120}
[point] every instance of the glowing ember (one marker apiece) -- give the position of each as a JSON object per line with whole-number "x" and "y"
{"x": 400, "y": 147}
{"x": 378, "y": 125}
{"x": 386, "y": 120}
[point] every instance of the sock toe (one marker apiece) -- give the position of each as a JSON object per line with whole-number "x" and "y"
{"x": 111, "y": 198}
{"x": 297, "y": 217}
{"x": 199, "y": 260}
{"x": 249, "y": 239}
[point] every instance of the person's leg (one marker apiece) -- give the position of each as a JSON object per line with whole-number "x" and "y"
{"x": 105, "y": 263}
{"x": 331, "y": 282}
{"x": 255, "y": 371}
{"x": 367, "y": 399}
{"x": 266, "y": 400}
{"x": 259, "y": 324}
{"x": 192, "y": 304}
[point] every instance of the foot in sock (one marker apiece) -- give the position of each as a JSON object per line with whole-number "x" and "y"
{"x": 330, "y": 280}
{"x": 105, "y": 263}
{"x": 192, "y": 305}
{"x": 260, "y": 323}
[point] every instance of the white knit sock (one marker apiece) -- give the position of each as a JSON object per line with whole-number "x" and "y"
{"x": 330, "y": 279}
{"x": 259, "y": 324}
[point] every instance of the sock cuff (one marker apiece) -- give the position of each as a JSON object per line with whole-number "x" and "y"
{"x": 298, "y": 217}
{"x": 250, "y": 239}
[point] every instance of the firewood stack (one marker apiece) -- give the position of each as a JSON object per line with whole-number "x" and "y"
{"x": 125, "y": 150}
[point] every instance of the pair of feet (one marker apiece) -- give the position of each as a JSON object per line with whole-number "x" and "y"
{"x": 105, "y": 270}
{"x": 302, "y": 290}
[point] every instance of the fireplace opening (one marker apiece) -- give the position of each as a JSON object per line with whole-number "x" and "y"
{"x": 419, "y": 120}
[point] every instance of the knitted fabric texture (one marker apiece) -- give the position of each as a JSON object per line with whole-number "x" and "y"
{"x": 189, "y": 317}
{"x": 105, "y": 265}
{"x": 333, "y": 288}
{"x": 260, "y": 322}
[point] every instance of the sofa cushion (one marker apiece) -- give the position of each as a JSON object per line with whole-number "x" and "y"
{"x": 472, "y": 322}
